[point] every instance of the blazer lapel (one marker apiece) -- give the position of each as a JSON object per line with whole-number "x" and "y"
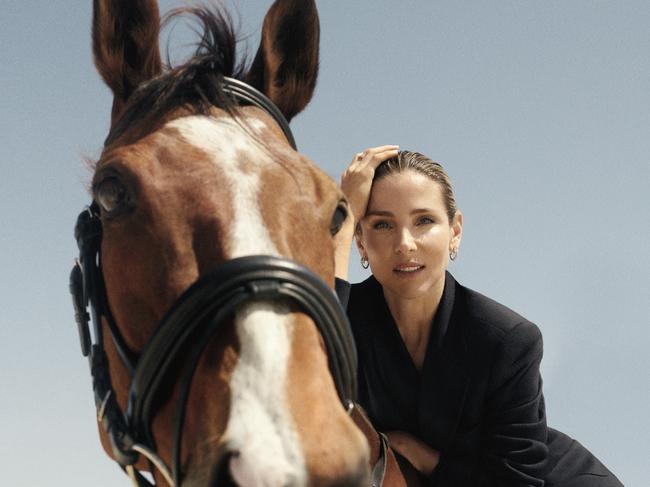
{"x": 444, "y": 382}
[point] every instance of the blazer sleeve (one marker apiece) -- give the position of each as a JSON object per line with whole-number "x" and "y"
{"x": 342, "y": 289}
{"x": 513, "y": 447}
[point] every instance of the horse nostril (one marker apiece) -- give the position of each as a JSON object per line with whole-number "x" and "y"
{"x": 221, "y": 476}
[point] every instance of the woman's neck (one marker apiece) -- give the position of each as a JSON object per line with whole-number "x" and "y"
{"x": 414, "y": 318}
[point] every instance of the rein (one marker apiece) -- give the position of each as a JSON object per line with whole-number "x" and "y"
{"x": 195, "y": 317}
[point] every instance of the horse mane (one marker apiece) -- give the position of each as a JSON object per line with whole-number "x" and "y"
{"x": 195, "y": 84}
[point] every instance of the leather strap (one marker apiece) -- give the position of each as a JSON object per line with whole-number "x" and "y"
{"x": 379, "y": 470}
{"x": 245, "y": 94}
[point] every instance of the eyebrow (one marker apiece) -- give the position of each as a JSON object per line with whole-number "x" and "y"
{"x": 417, "y": 211}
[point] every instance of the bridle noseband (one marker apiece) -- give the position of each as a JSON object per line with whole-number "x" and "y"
{"x": 190, "y": 324}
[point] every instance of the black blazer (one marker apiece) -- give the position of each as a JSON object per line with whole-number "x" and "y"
{"x": 478, "y": 399}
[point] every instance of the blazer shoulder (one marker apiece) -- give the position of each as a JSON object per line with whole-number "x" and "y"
{"x": 365, "y": 301}
{"x": 496, "y": 322}
{"x": 364, "y": 295}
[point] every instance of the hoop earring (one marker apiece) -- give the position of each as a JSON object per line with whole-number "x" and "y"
{"x": 453, "y": 253}
{"x": 364, "y": 262}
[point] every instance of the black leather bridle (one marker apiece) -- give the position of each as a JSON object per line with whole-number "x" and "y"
{"x": 190, "y": 324}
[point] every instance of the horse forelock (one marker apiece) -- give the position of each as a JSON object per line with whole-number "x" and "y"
{"x": 194, "y": 84}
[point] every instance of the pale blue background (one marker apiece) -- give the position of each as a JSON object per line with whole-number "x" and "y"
{"x": 540, "y": 110}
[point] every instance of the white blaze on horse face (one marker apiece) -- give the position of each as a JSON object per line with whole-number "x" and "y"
{"x": 239, "y": 161}
{"x": 260, "y": 429}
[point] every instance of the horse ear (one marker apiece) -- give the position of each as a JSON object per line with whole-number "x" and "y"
{"x": 286, "y": 65}
{"x": 125, "y": 45}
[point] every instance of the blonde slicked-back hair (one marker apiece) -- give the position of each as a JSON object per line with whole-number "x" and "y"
{"x": 414, "y": 161}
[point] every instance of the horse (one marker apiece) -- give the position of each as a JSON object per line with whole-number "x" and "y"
{"x": 219, "y": 353}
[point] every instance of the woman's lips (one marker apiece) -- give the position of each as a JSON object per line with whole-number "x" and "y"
{"x": 410, "y": 268}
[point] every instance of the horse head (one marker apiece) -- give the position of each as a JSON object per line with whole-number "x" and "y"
{"x": 209, "y": 361}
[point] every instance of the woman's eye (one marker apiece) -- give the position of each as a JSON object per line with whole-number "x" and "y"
{"x": 340, "y": 215}
{"x": 425, "y": 220}
{"x": 380, "y": 225}
{"x": 110, "y": 194}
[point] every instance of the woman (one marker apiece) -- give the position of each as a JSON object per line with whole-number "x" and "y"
{"x": 451, "y": 376}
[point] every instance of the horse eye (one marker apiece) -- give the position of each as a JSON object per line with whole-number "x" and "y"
{"x": 110, "y": 194}
{"x": 340, "y": 214}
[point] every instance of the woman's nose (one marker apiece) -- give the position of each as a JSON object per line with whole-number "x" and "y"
{"x": 405, "y": 242}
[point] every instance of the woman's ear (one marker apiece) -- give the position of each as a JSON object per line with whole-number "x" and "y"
{"x": 359, "y": 240}
{"x": 456, "y": 230}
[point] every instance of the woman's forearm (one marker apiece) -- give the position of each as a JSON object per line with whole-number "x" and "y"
{"x": 343, "y": 247}
{"x": 424, "y": 458}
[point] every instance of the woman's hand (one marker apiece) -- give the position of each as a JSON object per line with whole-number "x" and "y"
{"x": 424, "y": 458}
{"x": 357, "y": 178}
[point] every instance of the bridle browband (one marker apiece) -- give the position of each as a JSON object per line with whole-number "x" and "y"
{"x": 247, "y": 95}
{"x": 193, "y": 320}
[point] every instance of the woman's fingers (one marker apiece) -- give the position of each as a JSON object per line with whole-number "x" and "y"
{"x": 381, "y": 148}
{"x": 368, "y": 160}
{"x": 374, "y": 156}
